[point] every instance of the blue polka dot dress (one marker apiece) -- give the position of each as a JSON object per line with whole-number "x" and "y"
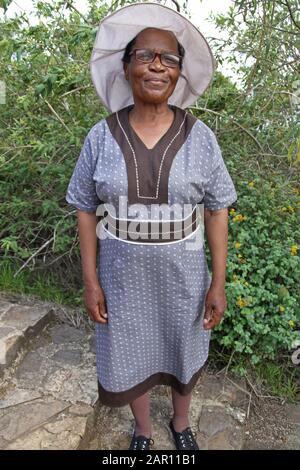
{"x": 155, "y": 291}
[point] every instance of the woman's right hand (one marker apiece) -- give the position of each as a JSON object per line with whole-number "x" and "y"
{"x": 94, "y": 300}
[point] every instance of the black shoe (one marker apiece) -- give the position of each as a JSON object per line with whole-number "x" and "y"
{"x": 140, "y": 443}
{"x": 184, "y": 440}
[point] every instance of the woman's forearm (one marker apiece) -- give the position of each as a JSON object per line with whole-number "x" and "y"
{"x": 216, "y": 228}
{"x": 87, "y": 223}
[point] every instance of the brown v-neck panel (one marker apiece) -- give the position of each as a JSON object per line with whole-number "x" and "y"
{"x": 147, "y": 165}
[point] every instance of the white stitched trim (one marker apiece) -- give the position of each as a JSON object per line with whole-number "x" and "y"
{"x": 161, "y": 163}
{"x": 152, "y": 243}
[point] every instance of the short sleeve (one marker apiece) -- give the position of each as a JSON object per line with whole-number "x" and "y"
{"x": 219, "y": 188}
{"x": 81, "y": 191}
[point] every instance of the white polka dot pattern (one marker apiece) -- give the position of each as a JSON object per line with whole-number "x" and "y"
{"x": 155, "y": 294}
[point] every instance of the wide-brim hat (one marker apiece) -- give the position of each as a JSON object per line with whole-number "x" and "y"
{"x": 120, "y": 27}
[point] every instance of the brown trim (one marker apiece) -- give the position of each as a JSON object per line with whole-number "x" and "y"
{"x": 148, "y": 160}
{"x": 157, "y": 231}
{"x": 114, "y": 399}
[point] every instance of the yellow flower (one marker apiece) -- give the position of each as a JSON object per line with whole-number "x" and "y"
{"x": 241, "y": 302}
{"x": 232, "y": 211}
{"x": 237, "y": 245}
{"x": 294, "y": 250}
{"x": 281, "y": 308}
{"x": 288, "y": 209}
{"x": 239, "y": 218}
{"x": 251, "y": 184}
{"x": 292, "y": 323}
{"x": 246, "y": 283}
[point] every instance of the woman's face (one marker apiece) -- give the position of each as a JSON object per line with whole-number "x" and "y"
{"x": 139, "y": 74}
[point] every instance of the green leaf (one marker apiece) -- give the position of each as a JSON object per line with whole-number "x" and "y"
{"x": 5, "y": 4}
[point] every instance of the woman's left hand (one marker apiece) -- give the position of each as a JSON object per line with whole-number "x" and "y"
{"x": 215, "y": 306}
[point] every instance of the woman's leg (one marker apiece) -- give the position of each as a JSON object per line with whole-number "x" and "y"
{"x": 181, "y": 405}
{"x": 140, "y": 408}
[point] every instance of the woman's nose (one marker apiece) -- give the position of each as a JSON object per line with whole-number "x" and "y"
{"x": 157, "y": 63}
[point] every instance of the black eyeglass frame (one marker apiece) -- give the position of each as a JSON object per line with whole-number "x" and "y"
{"x": 160, "y": 54}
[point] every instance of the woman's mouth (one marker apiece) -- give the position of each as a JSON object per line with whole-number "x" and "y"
{"x": 156, "y": 81}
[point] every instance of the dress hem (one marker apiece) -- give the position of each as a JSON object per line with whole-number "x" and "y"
{"x": 117, "y": 399}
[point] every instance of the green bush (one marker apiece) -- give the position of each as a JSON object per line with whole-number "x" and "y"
{"x": 263, "y": 272}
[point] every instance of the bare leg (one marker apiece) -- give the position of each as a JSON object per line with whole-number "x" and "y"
{"x": 140, "y": 408}
{"x": 181, "y": 404}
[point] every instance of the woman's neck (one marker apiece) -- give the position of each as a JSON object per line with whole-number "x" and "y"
{"x": 150, "y": 114}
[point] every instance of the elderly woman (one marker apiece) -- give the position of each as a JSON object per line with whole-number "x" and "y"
{"x": 149, "y": 289}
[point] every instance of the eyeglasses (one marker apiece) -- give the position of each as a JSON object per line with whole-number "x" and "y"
{"x": 147, "y": 56}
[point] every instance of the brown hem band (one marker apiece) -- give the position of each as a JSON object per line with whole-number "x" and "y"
{"x": 114, "y": 399}
{"x": 156, "y": 231}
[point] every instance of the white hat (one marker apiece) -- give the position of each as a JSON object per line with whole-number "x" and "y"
{"x": 120, "y": 27}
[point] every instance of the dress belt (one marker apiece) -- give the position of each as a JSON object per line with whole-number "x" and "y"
{"x": 158, "y": 231}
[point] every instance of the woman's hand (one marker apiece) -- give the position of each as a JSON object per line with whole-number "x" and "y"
{"x": 95, "y": 303}
{"x": 215, "y": 306}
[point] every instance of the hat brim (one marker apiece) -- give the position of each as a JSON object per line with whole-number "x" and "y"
{"x": 118, "y": 28}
